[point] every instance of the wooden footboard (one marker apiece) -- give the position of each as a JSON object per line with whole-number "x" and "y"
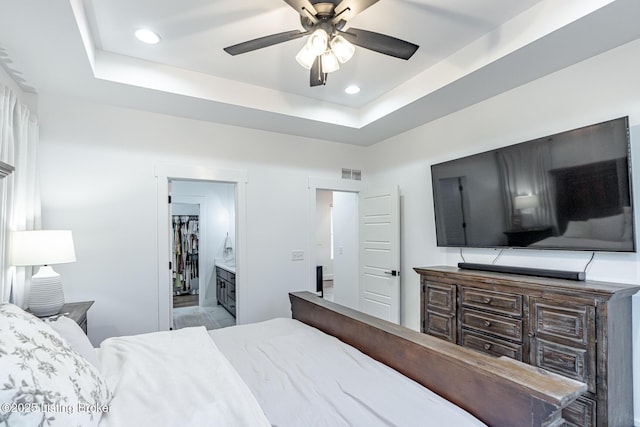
{"x": 499, "y": 391}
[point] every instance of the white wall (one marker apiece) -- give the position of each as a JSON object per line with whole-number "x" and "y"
{"x": 346, "y": 248}
{"x": 94, "y": 159}
{"x": 598, "y": 89}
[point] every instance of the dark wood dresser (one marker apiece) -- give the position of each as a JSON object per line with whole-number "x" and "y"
{"x": 581, "y": 330}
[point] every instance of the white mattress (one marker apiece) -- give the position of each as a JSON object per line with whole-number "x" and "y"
{"x": 302, "y": 377}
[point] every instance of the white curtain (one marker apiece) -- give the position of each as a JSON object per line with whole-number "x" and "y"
{"x": 525, "y": 171}
{"x": 20, "y": 198}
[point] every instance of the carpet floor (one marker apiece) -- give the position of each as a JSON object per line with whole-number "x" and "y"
{"x": 209, "y": 317}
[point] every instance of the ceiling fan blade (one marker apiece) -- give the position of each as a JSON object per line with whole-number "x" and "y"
{"x": 303, "y": 5}
{"x": 265, "y": 41}
{"x": 380, "y": 43}
{"x": 317, "y": 77}
{"x": 347, "y": 9}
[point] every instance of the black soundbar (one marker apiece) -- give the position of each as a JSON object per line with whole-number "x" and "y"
{"x": 540, "y": 272}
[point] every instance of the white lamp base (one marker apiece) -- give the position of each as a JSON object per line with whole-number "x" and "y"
{"x": 46, "y": 297}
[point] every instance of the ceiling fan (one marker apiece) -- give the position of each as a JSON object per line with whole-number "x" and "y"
{"x": 328, "y": 45}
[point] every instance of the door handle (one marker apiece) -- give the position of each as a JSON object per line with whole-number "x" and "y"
{"x": 392, "y": 273}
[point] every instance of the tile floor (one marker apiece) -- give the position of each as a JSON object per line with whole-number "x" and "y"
{"x": 217, "y": 317}
{"x": 209, "y": 317}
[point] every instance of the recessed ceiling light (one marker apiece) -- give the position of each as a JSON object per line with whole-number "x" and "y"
{"x": 147, "y": 36}
{"x": 352, "y": 90}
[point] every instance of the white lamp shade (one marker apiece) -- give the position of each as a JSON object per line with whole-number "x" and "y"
{"x": 329, "y": 62}
{"x": 318, "y": 41}
{"x": 42, "y": 247}
{"x": 306, "y": 57}
{"x": 526, "y": 202}
{"x": 342, "y": 48}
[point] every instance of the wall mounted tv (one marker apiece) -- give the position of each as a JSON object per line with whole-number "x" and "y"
{"x": 569, "y": 191}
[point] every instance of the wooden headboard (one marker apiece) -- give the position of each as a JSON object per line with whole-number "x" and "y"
{"x": 593, "y": 190}
{"x": 499, "y": 391}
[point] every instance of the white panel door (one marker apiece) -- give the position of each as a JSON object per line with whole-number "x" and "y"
{"x": 380, "y": 253}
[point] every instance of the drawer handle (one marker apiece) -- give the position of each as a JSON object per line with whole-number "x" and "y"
{"x": 487, "y": 323}
{"x": 487, "y": 346}
{"x": 487, "y": 300}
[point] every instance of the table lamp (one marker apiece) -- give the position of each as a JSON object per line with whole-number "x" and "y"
{"x": 44, "y": 248}
{"x": 525, "y": 205}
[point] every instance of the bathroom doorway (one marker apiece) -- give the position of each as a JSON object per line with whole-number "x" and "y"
{"x": 202, "y": 240}
{"x": 166, "y": 174}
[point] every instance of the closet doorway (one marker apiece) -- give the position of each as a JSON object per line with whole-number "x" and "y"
{"x": 203, "y": 235}
{"x": 185, "y": 252}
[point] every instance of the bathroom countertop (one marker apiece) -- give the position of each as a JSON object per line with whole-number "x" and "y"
{"x": 228, "y": 267}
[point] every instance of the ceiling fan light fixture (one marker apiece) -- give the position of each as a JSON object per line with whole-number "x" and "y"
{"x": 330, "y": 62}
{"x": 318, "y": 41}
{"x": 147, "y": 36}
{"x": 305, "y": 56}
{"x": 327, "y": 45}
{"x": 342, "y": 48}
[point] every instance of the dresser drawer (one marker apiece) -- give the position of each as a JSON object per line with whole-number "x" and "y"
{"x": 221, "y": 272}
{"x": 495, "y": 301}
{"x": 580, "y": 413}
{"x": 570, "y": 323}
{"x": 441, "y": 296}
{"x": 497, "y": 325}
{"x": 441, "y": 325}
{"x": 490, "y": 345}
{"x": 569, "y": 361}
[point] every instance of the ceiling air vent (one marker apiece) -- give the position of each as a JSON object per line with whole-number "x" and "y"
{"x": 351, "y": 174}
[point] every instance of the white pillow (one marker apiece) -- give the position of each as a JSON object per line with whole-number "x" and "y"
{"x": 77, "y": 339}
{"x": 578, "y": 229}
{"x": 608, "y": 228}
{"x": 43, "y": 381}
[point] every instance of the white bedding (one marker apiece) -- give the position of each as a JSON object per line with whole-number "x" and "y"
{"x": 302, "y": 377}
{"x": 174, "y": 379}
{"x": 613, "y": 233}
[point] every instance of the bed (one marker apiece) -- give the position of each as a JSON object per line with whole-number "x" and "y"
{"x": 592, "y": 207}
{"x": 326, "y": 366}
{"x": 609, "y": 233}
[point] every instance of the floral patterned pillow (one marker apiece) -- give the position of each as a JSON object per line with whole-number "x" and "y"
{"x": 43, "y": 381}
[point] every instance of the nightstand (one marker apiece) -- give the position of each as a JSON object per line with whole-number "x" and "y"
{"x": 526, "y": 236}
{"x": 76, "y": 311}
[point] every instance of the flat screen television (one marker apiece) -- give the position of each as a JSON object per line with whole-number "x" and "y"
{"x": 568, "y": 191}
